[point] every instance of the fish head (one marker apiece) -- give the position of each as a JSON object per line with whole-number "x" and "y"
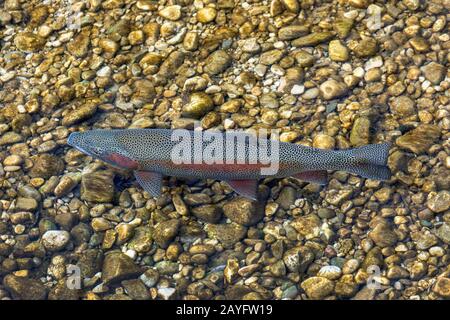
{"x": 103, "y": 145}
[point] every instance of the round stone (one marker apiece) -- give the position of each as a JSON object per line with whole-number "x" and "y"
{"x": 55, "y": 240}
{"x": 323, "y": 141}
{"x": 338, "y": 51}
{"x": 171, "y": 12}
{"x": 206, "y": 15}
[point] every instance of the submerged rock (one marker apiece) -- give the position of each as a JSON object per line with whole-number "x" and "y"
{"x": 117, "y": 267}
{"x": 97, "y": 186}
{"x": 24, "y": 288}
{"x": 243, "y": 211}
{"x": 228, "y": 234}
{"x": 419, "y": 139}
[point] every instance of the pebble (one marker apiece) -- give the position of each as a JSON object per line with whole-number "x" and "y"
{"x": 28, "y": 42}
{"x": 311, "y": 94}
{"x": 323, "y": 141}
{"x": 242, "y": 211}
{"x": 442, "y": 287}
{"x": 360, "y": 132}
{"x": 332, "y": 89}
{"x": 317, "y": 288}
{"x": 136, "y": 289}
{"x": 290, "y": 293}
{"x": 439, "y": 202}
{"x": 118, "y": 267}
{"x": 97, "y": 186}
{"x": 228, "y": 234}
{"x": 142, "y": 240}
{"x": 80, "y": 44}
{"x": 366, "y": 47}
{"x": 172, "y": 12}
{"x": 217, "y": 62}
{"x": 312, "y": 39}
{"x": 206, "y": 15}
{"x": 338, "y": 51}
{"x": 10, "y": 138}
{"x": 403, "y": 106}
{"x": 350, "y": 266}
{"x": 46, "y": 165}
{"x": 23, "y": 288}
{"x": 150, "y": 278}
{"x": 420, "y": 139}
{"x": 291, "y": 5}
{"x": 191, "y": 41}
{"x": 166, "y": 293}
{"x": 251, "y": 46}
{"x": 271, "y": 57}
{"x": 383, "y": 235}
{"x": 26, "y": 204}
{"x": 65, "y": 185}
{"x": 136, "y": 37}
{"x": 443, "y": 233}
{"x": 208, "y": 213}
{"x": 308, "y": 226}
{"x": 199, "y": 104}
{"x": 13, "y": 160}
{"x": 165, "y": 231}
{"x": 330, "y": 272}
{"x": 292, "y": 32}
{"x": 109, "y": 46}
{"x": 434, "y": 72}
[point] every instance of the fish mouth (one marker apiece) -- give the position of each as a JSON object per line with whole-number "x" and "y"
{"x": 71, "y": 139}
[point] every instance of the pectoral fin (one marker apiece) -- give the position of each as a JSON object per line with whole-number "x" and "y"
{"x": 150, "y": 182}
{"x": 246, "y": 188}
{"x": 319, "y": 177}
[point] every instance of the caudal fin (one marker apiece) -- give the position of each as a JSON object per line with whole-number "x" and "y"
{"x": 370, "y": 161}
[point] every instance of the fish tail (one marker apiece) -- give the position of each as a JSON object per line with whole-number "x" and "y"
{"x": 370, "y": 161}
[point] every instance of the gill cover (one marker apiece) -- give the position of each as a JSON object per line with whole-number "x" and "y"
{"x": 103, "y": 145}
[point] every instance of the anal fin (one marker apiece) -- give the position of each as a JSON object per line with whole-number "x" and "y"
{"x": 319, "y": 177}
{"x": 150, "y": 182}
{"x": 246, "y": 188}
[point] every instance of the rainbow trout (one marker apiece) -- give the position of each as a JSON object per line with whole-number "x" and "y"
{"x": 239, "y": 158}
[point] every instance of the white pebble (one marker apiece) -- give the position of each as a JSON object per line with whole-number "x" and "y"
{"x": 311, "y": 93}
{"x": 213, "y": 89}
{"x": 131, "y": 253}
{"x": 426, "y": 84}
{"x": 358, "y": 72}
{"x": 297, "y": 89}
{"x": 104, "y": 72}
{"x": 278, "y": 45}
{"x": 260, "y": 70}
{"x": 347, "y": 67}
{"x": 351, "y": 14}
{"x": 55, "y": 239}
{"x": 166, "y": 293}
{"x": 330, "y": 272}
{"x": 228, "y": 124}
{"x": 375, "y": 62}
